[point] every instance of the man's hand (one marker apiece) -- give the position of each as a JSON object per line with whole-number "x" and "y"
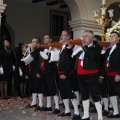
{"x": 105, "y": 48}
{"x": 38, "y": 75}
{"x": 62, "y": 77}
{"x": 26, "y": 77}
{"x": 84, "y": 43}
{"x": 100, "y": 79}
{"x": 33, "y": 46}
{"x": 117, "y": 78}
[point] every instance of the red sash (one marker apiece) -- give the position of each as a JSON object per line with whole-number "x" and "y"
{"x": 43, "y": 65}
{"x": 81, "y": 71}
{"x": 29, "y": 69}
{"x": 110, "y": 73}
{"x": 60, "y": 72}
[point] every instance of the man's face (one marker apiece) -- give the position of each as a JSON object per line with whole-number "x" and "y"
{"x": 35, "y": 42}
{"x": 94, "y": 39}
{"x": 114, "y": 39}
{"x": 87, "y": 39}
{"x": 47, "y": 39}
{"x": 64, "y": 37}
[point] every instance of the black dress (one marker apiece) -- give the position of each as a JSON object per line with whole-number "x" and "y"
{"x": 23, "y": 67}
{"x": 7, "y": 60}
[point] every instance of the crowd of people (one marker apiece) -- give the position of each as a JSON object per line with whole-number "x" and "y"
{"x": 87, "y": 70}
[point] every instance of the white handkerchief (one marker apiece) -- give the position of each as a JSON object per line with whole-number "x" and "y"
{"x": 1, "y": 71}
{"x": 81, "y": 63}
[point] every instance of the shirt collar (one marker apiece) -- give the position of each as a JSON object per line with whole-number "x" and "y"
{"x": 113, "y": 46}
{"x": 63, "y": 46}
{"x": 90, "y": 44}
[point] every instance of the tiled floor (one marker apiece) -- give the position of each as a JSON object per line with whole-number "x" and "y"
{"x": 14, "y": 109}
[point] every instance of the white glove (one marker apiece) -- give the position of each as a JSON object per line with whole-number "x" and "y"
{"x": 54, "y": 56}
{"x": 13, "y": 68}
{"x": 1, "y": 71}
{"x": 28, "y": 59}
{"x": 43, "y": 55}
{"x": 46, "y": 51}
{"x": 20, "y": 73}
{"x": 76, "y": 50}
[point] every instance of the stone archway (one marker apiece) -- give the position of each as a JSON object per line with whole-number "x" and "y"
{"x": 77, "y": 9}
{"x": 82, "y": 16}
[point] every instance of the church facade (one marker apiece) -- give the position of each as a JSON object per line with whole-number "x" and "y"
{"x": 26, "y": 19}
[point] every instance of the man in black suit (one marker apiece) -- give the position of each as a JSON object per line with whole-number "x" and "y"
{"x": 49, "y": 81}
{"x": 34, "y": 75}
{"x": 64, "y": 71}
{"x": 102, "y": 84}
{"x": 112, "y": 68}
{"x": 87, "y": 70}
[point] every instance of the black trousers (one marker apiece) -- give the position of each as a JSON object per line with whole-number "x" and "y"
{"x": 89, "y": 84}
{"x": 113, "y": 87}
{"x": 103, "y": 88}
{"x": 49, "y": 84}
{"x": 66, "y": 90}
{"x": 35, "y": 83}
{"x": 74, "y": 82}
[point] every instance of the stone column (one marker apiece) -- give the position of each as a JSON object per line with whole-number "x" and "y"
{"x": 2, "y": 8}
{"x": 78, "y": 26}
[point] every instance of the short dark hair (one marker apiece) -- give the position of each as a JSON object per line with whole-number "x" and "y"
{"x": 20, "y": 45}
{"x": 38, "y": 39}
{"x": 98, "y": 37}
{"x": 50, "y": 36}
{"x": 118, "y": 34}
{"x": 69, "y": 33}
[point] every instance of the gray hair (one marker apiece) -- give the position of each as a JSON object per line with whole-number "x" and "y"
{"x": 90, "y": 32}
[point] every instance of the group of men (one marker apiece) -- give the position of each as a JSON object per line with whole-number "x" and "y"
{"x": 88, "y": 67}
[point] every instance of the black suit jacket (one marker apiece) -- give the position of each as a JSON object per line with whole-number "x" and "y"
{"x": 91, "y": 58}
{"x": 65, "y": 61}
{"x": 35, "y": 65}
{"x": 114, "y": 60}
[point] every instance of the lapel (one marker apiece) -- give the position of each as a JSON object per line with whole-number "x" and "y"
{"x": 114, "y": 51}
{"x": 62, "y": 51}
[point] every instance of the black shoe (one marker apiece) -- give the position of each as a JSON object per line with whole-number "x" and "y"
{"x": 56, "y": 111}
{"x": 93, "y": 110}
{"x": 31, "y": 106}
{"x": 22, "y": 96}
{"x": 39, "y": 108}
{"x": 105, "y": 113}
{"x": 6, "y": 98}
{"x": 76, "y": 117}
{"x": 47, "y": 109}
{"x": 113, "y": 116}
{"x": 64, "y": 114}
{"x": 86, "y": 118}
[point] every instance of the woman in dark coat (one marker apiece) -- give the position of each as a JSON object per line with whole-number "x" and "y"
{"x": 23, "y": 77}
{"x": 7, "y": 61}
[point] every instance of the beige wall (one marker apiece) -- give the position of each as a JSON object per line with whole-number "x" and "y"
{"x": 26, "y": 20}
{"x": 1, "y": 1}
